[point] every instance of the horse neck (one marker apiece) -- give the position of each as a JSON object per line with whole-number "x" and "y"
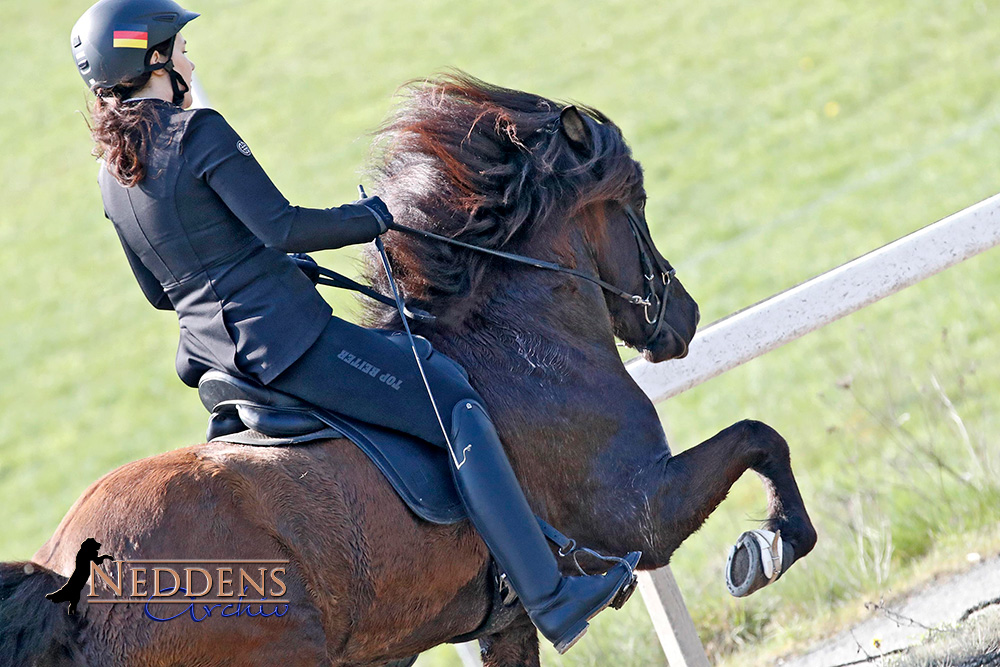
{"x": 541, "y": 352}
{"x": 539, "y": 338}
{"x": 543, "y": 357}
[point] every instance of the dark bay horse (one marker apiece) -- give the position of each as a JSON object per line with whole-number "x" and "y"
{"x": 368, "y": 582}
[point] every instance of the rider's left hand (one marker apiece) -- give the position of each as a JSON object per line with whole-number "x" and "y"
{"x": 307, "y": 265}
{"x": 379, "y": 211}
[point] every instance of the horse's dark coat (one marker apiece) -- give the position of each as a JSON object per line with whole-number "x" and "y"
{"x": 368, "y": 581}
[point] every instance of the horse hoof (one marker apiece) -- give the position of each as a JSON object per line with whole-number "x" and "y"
{"x": 755, "y": 561}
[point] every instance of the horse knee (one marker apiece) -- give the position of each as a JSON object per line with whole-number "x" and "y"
{"x": 758, "y": 430}
{"x": 766, "y": 439}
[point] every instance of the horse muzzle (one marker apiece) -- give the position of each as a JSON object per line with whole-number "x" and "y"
{"x": 669, "y": 345}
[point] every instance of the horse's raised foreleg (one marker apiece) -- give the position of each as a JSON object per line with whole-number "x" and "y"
{"x": 693, "y": 483}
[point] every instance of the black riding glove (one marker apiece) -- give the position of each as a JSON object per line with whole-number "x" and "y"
{"x": 307, "y": 265}
{"x": 379, "y": 211}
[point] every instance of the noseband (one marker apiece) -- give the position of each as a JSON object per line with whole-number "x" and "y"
{"x": 651, "y": 265}
{"x": 651, "y": 301}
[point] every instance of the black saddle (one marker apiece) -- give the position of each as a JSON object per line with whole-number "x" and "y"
{"x": 248, "y": 413}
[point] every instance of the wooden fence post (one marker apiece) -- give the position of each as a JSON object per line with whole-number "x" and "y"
{"x": 666, "y": 608}
{"x": 671, "y": 620}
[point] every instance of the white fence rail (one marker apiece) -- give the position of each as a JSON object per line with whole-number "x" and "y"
{"x": 781, "y": 319}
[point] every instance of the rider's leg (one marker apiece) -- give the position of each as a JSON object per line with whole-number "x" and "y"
{"x": 339, "y": 373}
{"x": 559, "y": 606}
{"x": 362, "y": 373}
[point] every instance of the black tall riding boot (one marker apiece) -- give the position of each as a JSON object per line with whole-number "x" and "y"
{"x": 560, "y": 607}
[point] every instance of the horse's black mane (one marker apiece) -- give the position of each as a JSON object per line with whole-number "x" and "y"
{"x": 485, "y": 165}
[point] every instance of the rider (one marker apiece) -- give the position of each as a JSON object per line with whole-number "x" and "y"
{"x": 206, "y": 234}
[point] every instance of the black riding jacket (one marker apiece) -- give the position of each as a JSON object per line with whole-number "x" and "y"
{"x": 206, "y": 232}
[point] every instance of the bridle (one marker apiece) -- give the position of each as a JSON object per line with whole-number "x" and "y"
{"x": 652, "y": 266}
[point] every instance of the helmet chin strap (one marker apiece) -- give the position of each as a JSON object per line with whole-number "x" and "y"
{"x": 177, "y": 84}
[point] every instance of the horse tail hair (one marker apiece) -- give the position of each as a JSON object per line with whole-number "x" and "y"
{"x": 33, "y": 630}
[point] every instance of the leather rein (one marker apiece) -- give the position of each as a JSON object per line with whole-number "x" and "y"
{"x": 651, "y": 301}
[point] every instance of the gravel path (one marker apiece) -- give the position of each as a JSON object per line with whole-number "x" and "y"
{"x": 906, "y": 622}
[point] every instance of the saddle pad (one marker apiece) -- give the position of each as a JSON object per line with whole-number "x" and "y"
{"x": 418, "y": 471}
{"x": 256, "y": 438}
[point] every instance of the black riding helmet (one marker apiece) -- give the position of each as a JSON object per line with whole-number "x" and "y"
{"x": 113, "y": 41}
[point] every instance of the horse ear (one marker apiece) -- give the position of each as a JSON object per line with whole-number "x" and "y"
{"x": 574, "y": 127}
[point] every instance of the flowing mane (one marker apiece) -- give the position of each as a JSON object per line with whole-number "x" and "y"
{"x": 485, "y": 165}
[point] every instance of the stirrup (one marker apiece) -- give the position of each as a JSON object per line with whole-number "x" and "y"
{"x": 615, "y": 598}
{"x": 754, "y": 562}
{"x": 631, "y": 560}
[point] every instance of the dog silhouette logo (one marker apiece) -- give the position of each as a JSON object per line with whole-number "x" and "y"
{"x": 70, "y": 592}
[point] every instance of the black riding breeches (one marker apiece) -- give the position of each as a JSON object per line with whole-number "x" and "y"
{"x": 371, "y": 375}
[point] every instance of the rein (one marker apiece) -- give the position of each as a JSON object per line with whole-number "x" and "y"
{"x": 651, "y": 265}
{"x": 521, "y": 259}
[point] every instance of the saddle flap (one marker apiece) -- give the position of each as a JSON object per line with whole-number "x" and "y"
{"x": 247, "y": 413}
{"x": 419, "y": 471}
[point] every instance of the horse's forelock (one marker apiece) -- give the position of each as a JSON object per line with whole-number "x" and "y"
{"x": 485, "y": 164}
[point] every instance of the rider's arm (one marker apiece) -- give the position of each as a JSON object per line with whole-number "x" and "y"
{"x": 216, "y": 153}
{"x": 147, "y": 281}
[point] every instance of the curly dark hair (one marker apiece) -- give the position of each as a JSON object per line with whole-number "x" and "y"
{"x": 121, "y": 131}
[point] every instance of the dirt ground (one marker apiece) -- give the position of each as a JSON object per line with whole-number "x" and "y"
{"x": 952, "y": 622}
{"x": 974, "y": 643}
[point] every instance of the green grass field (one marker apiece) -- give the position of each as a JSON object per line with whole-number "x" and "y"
{"x": 779, "y": 140}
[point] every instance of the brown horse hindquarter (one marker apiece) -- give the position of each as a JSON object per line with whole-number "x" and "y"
{"x": 349, "y": 540}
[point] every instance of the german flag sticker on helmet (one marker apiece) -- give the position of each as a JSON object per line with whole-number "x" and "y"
{"x": 131, "y": 37}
